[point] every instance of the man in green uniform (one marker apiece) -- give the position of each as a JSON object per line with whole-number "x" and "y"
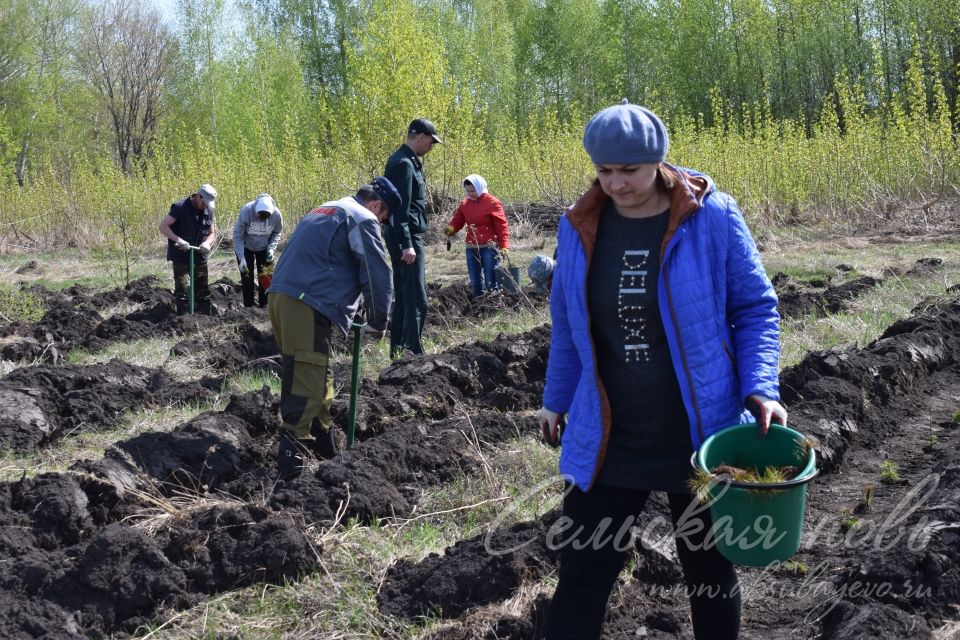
{"x": 335, "y": 254}
{"x": 405, "y": 171}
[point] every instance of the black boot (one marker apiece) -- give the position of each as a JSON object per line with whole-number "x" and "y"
{"x": 290, "y": 460}
{"x": 183, "y": 307}
{"x": 324, "y": 444}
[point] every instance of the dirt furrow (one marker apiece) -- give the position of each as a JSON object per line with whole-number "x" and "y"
{"x": 885, "y": 401}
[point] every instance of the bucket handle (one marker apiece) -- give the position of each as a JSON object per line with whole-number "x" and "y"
{"x": 503, "y": 256}
{"x": 757, "y": 486}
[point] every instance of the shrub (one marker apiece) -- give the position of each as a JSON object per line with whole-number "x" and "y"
{"x": 20, "y": 305}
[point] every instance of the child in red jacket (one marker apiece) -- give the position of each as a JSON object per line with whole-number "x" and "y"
{"x": 487, "y": 232}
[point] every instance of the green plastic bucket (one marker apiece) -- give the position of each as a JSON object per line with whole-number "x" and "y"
{"x": 756, "y": 524}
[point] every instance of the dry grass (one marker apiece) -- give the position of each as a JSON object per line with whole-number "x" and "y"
{"x": 873, "y": 312}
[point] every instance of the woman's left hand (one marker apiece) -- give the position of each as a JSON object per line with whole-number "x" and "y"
{"x": 766, "y": 411}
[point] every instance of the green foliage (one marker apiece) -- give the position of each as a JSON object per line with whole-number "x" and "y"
{"x": 389, "y": 87}
{"x": 20, "y": 305}
{"x": 796, "y": 567}
{"x": 804, "y": 111}
{"x": 889, "y": 474}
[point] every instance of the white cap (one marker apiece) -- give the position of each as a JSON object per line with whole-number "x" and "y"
{"x": 209, "y": 194}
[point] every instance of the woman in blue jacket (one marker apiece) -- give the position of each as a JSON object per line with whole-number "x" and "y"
{"x": 665, "y": 330}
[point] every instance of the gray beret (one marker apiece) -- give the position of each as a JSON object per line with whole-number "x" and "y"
{"x": 626, "y": 134}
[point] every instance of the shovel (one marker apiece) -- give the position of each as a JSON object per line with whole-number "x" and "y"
{"x": 354, "y": 383}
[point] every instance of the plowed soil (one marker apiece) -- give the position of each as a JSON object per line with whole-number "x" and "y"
{"x": 164, "y": 521}
{"x": 895, "y": 574}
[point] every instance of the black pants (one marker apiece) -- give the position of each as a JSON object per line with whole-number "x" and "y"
{"x": 409, "y": 296}
{"x": 587, "y": 574}
{"x": 258, "y": 258}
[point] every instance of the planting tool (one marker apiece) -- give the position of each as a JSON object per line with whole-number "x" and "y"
{"x": 354, "y": 383}
{"x": 757, "y": 523}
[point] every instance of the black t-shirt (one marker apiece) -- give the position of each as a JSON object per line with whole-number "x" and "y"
{"x": 649, "y": 445}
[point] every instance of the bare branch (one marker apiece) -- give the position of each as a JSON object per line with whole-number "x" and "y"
{"x": 127, "y": 54}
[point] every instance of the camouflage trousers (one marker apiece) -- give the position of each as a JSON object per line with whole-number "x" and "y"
{"x": 306, "y": 391}
{"x": 181, "y": 283}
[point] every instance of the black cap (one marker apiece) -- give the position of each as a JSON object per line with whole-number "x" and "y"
{"x": 422, "y": 125}
{"x": 387, "y": 192}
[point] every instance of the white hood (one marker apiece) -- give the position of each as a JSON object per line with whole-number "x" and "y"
{"x": 478, "y": 183}
{"x": 265, "y": 203}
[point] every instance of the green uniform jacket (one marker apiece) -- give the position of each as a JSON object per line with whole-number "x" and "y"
{"x": 405, "y": 171}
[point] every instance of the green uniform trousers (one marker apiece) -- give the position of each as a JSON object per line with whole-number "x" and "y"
{"x": 306, "y": 392}
{"x": 181, "y": 282}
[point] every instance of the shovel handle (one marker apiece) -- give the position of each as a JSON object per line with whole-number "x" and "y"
{"x": 354, "y": 384}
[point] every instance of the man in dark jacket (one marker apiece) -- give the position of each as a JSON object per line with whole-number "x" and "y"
{"x": 190, "y": 223}
{"x": 335, "y": 254}
{"x": 405, "y": 171}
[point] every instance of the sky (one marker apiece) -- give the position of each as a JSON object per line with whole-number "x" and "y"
{"x": 168, "y": 8}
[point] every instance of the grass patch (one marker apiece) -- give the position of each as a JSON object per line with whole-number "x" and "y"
{"x": 151, "y": 353}
{"x": 871, "y": 314}
{"x": 247, "y": 381}
{"x": 91, "y": 445}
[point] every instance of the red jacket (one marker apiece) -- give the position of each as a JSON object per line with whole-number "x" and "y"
{"x": 484, "y": 219}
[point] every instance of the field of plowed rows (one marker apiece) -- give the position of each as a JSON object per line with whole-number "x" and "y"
{"x": 138, "y": 494}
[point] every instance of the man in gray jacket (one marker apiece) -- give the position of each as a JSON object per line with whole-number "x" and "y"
{"x": 255, "y": 239}
{"x": 335, "y": 254}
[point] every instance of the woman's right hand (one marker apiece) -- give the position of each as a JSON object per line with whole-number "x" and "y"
{"x": 551, "y": 426}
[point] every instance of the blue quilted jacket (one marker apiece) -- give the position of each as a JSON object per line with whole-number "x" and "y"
{"x": 719, "y": 312}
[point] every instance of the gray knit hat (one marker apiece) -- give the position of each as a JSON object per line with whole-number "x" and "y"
{"x": 540, "y": 271}
{"x": 626, "y": 134}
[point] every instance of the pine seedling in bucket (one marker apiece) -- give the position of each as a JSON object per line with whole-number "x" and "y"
{"x": 756, "y": 487}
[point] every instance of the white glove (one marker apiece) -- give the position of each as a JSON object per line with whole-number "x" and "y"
{"x": 182, "y": 244}
{"x": 205, "y": 247}
{"x": 766, "y": 411}
{"x": 551, "y": 426}
{"x": 367, "y": 330}
{"x": 243, "y": 267}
